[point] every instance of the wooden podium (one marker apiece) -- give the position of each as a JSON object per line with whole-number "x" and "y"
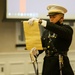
{"x": 32, "y": 35}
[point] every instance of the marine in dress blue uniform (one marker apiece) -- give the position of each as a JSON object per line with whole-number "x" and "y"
{"x": 56, "y": 40}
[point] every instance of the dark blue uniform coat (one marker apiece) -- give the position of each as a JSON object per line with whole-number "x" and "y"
{"x": 58, "y": 44}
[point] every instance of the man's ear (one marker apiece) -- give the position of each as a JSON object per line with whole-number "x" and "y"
{"x": 62, "y": 18}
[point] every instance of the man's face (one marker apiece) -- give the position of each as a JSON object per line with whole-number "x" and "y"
{"x": 56, "y": 18}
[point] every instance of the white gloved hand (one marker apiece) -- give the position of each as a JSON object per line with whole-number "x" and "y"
{"x": 43, "y": 23}
{"x": 31, "y": 21}
{"x": 33, "y": 53}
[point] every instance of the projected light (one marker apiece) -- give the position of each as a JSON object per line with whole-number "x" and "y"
{"x": 24, "y": 9}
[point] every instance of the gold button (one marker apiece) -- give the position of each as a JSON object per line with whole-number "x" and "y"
{"x": 48, "y": 47}
{"x": 49, "y": 41}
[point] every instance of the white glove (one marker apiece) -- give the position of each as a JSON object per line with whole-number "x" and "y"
{"x": 31, "y": 21}
{"x": 33, "y": 53}
{"x": 42, "y": 22}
